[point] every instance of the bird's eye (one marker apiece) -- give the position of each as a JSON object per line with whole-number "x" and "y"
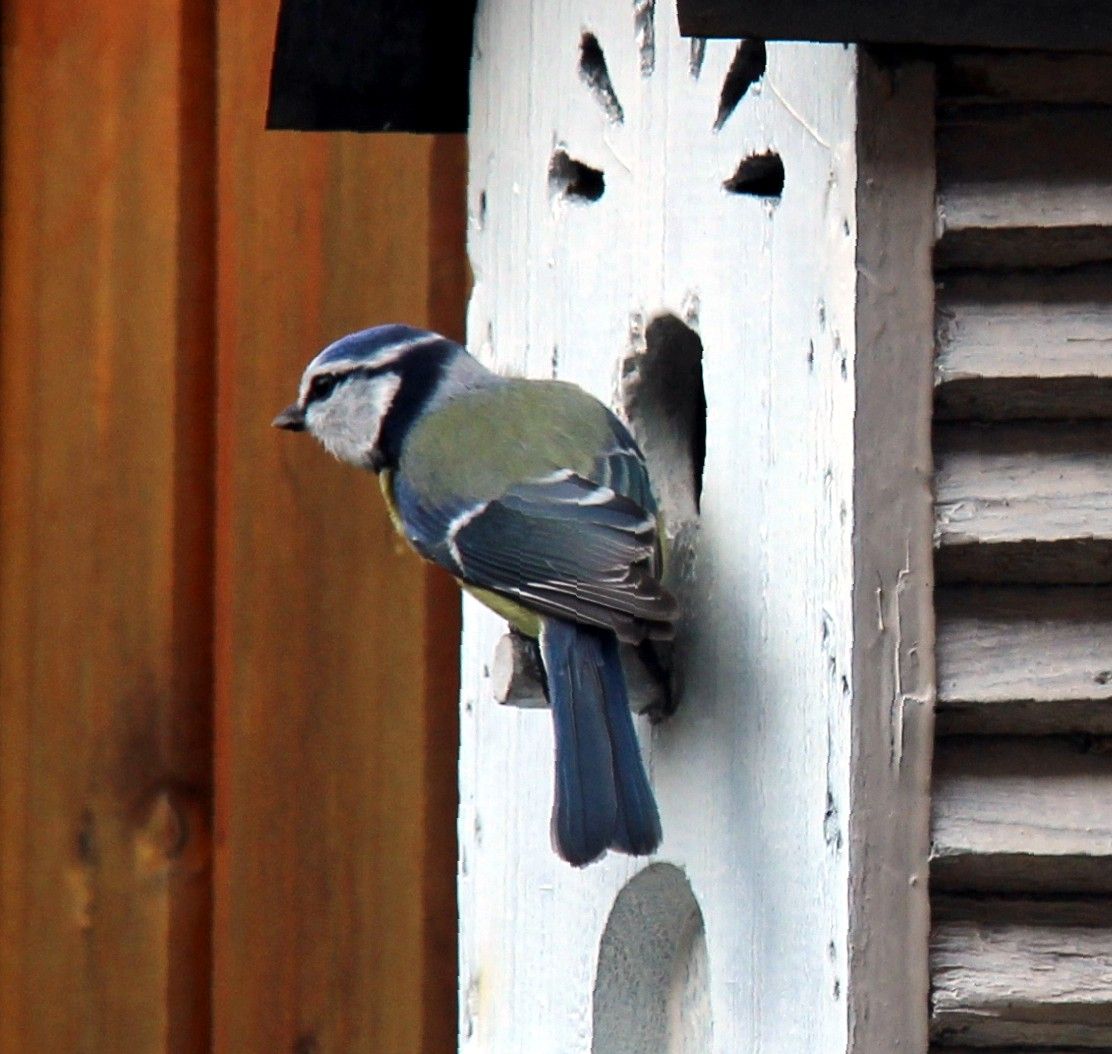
{"x": 322, "y": 386}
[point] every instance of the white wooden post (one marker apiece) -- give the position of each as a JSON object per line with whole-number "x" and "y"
{"x": 786, "y": 909}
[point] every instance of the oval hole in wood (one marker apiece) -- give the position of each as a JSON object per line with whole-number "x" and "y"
{"x": 666, "y": 405}
{"x": 652, "y": 985}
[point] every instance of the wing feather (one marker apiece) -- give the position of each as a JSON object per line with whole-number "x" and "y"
{"x": 568, "y": 547}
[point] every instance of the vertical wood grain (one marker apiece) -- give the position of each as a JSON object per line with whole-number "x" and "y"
{"x": 335, "y": 648}
{"x": 893, "y": 674}
{"x": 105, "y": 540}
{"x": 752, "y": 773}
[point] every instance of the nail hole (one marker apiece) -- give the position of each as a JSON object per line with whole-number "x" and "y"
{"x": 761, "y": 176}
{"x": 747, "y": 68}
{"x": 593, "y": 71}
{"x": 568, "y": 178}
{"x": 666, "y": 405}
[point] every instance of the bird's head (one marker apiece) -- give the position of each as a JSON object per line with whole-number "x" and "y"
{"x": 360, "y": 396}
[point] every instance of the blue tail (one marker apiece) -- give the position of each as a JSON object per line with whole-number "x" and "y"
{"x": 603, "y": 798}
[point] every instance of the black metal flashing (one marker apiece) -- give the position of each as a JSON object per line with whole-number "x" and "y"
{"x": 1067, "y": 25}
{"x": 371, "y": 66}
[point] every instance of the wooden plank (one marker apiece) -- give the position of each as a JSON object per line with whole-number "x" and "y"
{"x": 1022, "y": 973}
{"x": 1003, "y": 77}
{"x": 336, "y": 649}
{"x": 105, "y": 547}
{"x": 1024, "y": 660}
{"x": 1001, "y": 203}
{"x": 1065, "y": 24}
{"x": 893, "y": 669}
{"x": 1024, "y": 345}
{"x": 787, "y": 578}
{"x": 1029, "y": 502}
{"x": 1026, "y": 814}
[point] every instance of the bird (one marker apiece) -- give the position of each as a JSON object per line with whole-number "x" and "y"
{"x": 537, "y": 499}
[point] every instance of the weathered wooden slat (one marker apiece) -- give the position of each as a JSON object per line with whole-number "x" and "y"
{"x": 336, "y": 649}
{"x": 1022, "y": 814}
{"x": 1024, "y": 345}
{"x": 1024, "y": 502}
{"x": 1002, "y": 203}
{"x": 976, "y": 77}
{"x": 1024, "y": 660}
{"x": 1022, "y": 973}
{"x": 106, "y": 392}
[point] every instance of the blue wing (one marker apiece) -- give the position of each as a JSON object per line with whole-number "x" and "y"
{"x": 561, "y": 546}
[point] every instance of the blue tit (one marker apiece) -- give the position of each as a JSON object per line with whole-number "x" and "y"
{"x": 537, "y": 499}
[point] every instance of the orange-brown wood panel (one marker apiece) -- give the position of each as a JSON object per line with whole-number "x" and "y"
{"x": 336, "y": 648}
{"x": 106, "y": 395}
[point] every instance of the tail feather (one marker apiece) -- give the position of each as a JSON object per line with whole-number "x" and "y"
{"x": 602, "y": 797}
{"x": 638, "y": 829}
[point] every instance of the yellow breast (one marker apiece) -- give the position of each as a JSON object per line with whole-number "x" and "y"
{"x": 518, "y": 616}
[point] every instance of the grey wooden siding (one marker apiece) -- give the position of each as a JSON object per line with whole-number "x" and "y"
{"x": 1021, "y": 950}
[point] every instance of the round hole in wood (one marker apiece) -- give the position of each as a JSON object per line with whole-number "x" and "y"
{"x": 652, "y": 985}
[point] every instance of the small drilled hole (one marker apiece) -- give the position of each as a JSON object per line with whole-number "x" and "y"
{"x": 761, "y": 176}
{"x": 568, "y": 178}
{"x": 747, "y": 68}
{"x": 593, "y": 71}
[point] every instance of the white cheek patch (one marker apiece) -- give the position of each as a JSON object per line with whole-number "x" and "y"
{"x": 383, "y": 389}
{"x": 349, "y": 423}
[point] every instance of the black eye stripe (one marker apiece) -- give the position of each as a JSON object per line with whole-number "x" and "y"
{"x": 324, "y": 384}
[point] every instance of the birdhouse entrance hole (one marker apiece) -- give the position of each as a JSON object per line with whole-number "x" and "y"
{"x": 664, "y": 401}
{"x": 652, "y": 986}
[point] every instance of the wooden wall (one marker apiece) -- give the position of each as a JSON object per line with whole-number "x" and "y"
{"x": 227, "y": 698}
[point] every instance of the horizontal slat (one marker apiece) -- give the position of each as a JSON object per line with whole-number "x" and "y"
{"x": 1022, "y": 814}
{"x": 1022, "y": 973}
{"x": 1024, "y": 660}
{"x": 966, "y": 77}
{"x": 1027, "y": 502}
{"x": 1002, "y": 202}
{"x": 1025, "y": 344}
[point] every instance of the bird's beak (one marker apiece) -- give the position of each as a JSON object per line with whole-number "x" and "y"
{"x": 292, "y": 419}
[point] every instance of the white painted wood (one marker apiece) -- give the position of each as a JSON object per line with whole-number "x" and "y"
{"x": 1027, "y": 973}
{"x": 806, "y": 640}
{"x": 1021, "y": 814}
{"x": 1025, "y": 660}
{"x": 1025, "y": 344}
